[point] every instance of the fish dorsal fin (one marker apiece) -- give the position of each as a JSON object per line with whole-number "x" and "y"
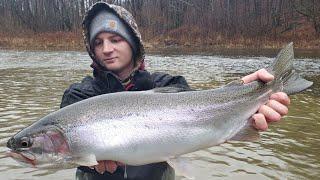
{"x": 247, "y": 133}
{"x": 170, "y": 89}
{"x": 87, "y": 160}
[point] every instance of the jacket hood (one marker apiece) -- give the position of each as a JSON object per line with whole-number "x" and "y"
{"x": 128, "y": 20}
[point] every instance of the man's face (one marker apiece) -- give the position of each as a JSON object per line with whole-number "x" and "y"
{"x": 113, "y": 52}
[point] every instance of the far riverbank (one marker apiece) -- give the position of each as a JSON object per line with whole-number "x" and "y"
{"x": 64, "y": 41}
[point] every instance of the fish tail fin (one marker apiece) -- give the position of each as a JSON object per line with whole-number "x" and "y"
{"x": 284, "y": 73}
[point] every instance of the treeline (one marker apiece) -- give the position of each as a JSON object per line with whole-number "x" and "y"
{"x": 229, "y": 18}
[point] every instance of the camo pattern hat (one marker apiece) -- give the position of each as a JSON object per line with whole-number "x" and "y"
{"x": 128, "y": 21}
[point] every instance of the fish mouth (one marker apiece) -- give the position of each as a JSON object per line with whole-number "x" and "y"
{"x": 22, "y": 156}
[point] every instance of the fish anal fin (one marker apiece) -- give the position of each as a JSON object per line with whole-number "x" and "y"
{"x": 88, "y": 160}
{"x": 182, "y": 167}
{"x": 247, "y": 133}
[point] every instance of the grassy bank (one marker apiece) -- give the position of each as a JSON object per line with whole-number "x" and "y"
{"x": 176, "y": 41}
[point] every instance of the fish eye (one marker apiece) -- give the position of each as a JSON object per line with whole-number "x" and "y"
{"x": 24, "y": 142}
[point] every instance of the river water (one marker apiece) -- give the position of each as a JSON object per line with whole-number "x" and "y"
{"x": 32, "y": 84}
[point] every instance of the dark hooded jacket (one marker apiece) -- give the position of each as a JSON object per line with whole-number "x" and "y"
{"x": 104, "y": 81}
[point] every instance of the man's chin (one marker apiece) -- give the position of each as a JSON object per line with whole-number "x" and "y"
{"x": 113, "y": 67}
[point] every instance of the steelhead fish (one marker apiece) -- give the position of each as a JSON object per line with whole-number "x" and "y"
{"x": 138, "y": 128}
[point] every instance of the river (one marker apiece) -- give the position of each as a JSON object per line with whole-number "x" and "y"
{"x": 32, "y": 84}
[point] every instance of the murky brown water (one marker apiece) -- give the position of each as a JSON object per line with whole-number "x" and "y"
{"x": 32, "y": 83}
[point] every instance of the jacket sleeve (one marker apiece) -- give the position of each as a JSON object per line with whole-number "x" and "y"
{"x": 164, "y": 80}
{"x": 77, "y": 92}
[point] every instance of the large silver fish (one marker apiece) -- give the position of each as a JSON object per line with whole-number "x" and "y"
{"x": 138, "y": 128}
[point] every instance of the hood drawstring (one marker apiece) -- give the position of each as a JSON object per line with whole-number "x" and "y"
{"x": 127, "y": 83}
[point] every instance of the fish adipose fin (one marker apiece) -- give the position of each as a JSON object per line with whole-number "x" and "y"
{"x": 282, "y": 69}
{"x": 88, "y": 160}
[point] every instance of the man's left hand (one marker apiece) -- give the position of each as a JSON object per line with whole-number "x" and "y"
{"x": 274, "y": 109}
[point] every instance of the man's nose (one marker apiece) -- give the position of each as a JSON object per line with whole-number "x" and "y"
{"x": 108, "y": 47}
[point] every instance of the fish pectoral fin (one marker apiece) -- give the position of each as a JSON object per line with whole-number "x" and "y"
{"x": 247, "y": 133}
{"x": 182, "y": 167}
{"x": 88, "y": 160}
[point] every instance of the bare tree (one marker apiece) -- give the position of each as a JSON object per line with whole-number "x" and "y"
{"x": 309, "y": 9}
{"x": 229, "y": 18}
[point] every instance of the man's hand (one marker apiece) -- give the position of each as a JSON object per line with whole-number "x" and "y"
{"x": 109, "y": 166}
{"x": 276, "y": 107}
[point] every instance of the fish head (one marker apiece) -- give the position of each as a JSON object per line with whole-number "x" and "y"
{"x": 39, "y": 147}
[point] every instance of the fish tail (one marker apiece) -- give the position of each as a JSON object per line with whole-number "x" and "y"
{"x": 284, "y": 73}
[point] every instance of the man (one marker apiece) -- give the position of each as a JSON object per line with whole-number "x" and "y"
{"x": 114, "y": 43}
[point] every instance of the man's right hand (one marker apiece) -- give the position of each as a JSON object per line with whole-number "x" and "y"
{"x": 109, "y": 166}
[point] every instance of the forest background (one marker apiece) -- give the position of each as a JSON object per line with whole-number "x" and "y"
{"x": 194, "y": 25}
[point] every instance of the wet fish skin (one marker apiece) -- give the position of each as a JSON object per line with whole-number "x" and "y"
{"x": 144, "y": 127}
